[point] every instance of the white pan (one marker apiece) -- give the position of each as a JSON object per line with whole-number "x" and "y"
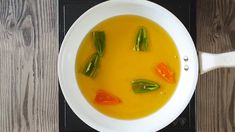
{"x": 190, "y": 63}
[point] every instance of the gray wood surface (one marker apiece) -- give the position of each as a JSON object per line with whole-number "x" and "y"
{"x": 28, "y": 74}
{"x": 216, "y": 90}
{"x": 28, "y": 56}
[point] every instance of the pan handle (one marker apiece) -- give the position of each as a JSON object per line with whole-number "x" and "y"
{"x": 210, "y": 61}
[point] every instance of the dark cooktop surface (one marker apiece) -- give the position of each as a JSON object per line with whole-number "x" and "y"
{"x": 70, "y": 10}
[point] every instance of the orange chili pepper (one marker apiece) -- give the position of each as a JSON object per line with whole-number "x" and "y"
{"x": 164, "y": 71}
{"x": 105, "y": 98}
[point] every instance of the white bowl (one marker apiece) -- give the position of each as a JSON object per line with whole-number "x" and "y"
{"x": 66, "y": 66}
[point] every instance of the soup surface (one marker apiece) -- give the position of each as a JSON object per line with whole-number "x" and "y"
{"x": 120, "y": 65}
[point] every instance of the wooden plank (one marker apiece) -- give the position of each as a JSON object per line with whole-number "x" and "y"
{"x": 216, "y": 90}
{"x": 28, "y": 65}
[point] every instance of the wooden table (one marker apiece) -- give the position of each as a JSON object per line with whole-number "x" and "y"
{"x": 28, "y": 62}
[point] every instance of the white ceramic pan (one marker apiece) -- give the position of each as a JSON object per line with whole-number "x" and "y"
{"x": 191, "y": 64}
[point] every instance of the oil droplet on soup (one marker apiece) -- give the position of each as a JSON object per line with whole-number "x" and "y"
{"x": 120, "y": 65}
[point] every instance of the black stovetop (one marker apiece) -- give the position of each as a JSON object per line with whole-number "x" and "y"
{"x": 70, "y": 10}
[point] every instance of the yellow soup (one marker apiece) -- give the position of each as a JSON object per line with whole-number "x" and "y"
{"x": 120, "y": 65}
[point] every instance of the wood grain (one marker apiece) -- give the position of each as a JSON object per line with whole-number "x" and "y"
{"x": 215, "y": 93}
{"x": 28, "y": 57}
